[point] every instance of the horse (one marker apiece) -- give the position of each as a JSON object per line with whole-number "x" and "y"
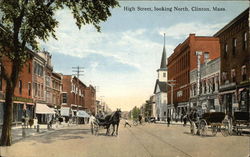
{"x": 112, "y": 119}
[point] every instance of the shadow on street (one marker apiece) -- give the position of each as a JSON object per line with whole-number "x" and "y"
{"x": 63, "y": 134}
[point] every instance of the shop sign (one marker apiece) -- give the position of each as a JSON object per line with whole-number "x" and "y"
{"x": 227, "y": 85}
{"x": 245, "y": 82}
{"x": 23, "y": 99}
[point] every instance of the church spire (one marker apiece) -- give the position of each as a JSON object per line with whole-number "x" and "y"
{"x": 163, "y": 58}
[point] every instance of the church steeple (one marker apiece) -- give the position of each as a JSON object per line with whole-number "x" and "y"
{"x": 163, "y": 58}
{"x": 162, "y": 72}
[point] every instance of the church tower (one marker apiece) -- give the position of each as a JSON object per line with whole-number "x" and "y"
{"x": 162, "y": 72}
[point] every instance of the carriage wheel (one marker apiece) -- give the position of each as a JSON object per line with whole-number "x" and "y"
{"x": 214, "y": 130}
{"x": 192, "y": 128}
{"x": 96, "y": 130}
{"x": 225, "y": 128}
{"x": 203, "y": 127}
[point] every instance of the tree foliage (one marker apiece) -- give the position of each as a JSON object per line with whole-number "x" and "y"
{"x": 24, "y": 22}
{"x": 135, "y": 112}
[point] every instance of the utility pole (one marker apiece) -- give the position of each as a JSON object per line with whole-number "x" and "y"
{"x": 78, "y": 70}
{"x": 198, "y": 54}
{"x": 171, "y": 84}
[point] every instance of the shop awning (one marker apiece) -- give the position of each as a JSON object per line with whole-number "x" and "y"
{"x": 83, "y": 114}
{"x": 44, "y": 109}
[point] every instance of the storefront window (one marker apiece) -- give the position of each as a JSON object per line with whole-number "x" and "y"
{"x": 244, "y": 101}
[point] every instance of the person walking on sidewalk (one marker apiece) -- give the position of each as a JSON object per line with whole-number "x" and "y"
{"x": 185, "y": 120}
{"x": 126, "y": 123}
{"x": 168, "y": 120}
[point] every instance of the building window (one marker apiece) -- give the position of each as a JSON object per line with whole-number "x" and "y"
{"x": 233, "y": 76}
{"x": 164, "y": 74}
{"x": 29, "y": 89}
{"x": 165, "y": 113}
{"x": 38, "y": 89}
{"x": 244, "y": 72}
{"x": 213, "y": 84}
{"x": 20, "y": 87}
{"x": 225, "y": 49}
{"x": 64, "y": 97}
{"x": 244, "y": 45}
{"x": 224, "y": 76}
{"x": 29, "y": 68}
{"x": 234, "y": 45}
{"x": 41, "y": 90}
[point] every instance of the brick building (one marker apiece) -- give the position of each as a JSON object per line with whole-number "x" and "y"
{"x": 73, "y": 98}
{"x": 56, "y": 80}
{"x": 22, "y": 100}
{"x": 182, "y": 62}
{"x": 235, "y": 64}
{"x": 90, "y": 98}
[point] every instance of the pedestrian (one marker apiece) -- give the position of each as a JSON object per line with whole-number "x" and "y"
{"x": 168, "y": 119}
{"x": 140, "y": 118}
{"x": 126, "y": 123}
{"x": 185, "y": 120}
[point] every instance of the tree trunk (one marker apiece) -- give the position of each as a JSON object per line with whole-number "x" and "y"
{"x": 8, "y": 114}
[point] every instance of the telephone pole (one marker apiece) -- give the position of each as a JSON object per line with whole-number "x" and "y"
{"x": 77, "y": 70}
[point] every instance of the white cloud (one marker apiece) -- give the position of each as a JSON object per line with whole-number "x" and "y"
{"x": 182, "y": 30}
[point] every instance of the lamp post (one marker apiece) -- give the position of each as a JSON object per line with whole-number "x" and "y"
{"x": 171, "y": 84}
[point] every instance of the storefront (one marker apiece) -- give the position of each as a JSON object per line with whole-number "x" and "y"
{"x": 83, "y": 117}
{"x": 244, "y": 96}
{"x": 44, "y": 114}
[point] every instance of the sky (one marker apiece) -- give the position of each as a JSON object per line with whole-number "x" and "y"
{"x": 122, "y": 60}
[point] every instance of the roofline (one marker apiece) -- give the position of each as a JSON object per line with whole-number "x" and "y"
{"x": 231, "y": 22}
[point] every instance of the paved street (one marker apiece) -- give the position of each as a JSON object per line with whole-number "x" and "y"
{"x": 150, "y": 140}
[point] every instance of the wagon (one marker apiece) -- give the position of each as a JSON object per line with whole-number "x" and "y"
{"x": 97, "y": 124}
{"x": 240, "y": 121}
{"x": 214, "y": 120}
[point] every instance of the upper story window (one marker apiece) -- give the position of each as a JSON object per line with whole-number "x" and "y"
{"x": 164, "y": 74}
{"x": 224, "y": 76}
{"x": 29, "y": 68}
{"x": 29, "y": 89}
{"x": 38, "y": 69}
{"x": 47, "y": 81}
{"x": 20, "y": 87}
{"x": 225, "y": 49}
{"x": 233, "y": 75}
{"x": 234, "y": 45}
{"x": 244, "y": 72}
{"x": 244, "y": 45}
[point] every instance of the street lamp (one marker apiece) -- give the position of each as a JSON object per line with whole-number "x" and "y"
{"x": 171, "y": 84}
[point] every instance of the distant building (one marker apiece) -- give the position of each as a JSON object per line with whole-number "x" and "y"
{"x": 182, "y": 62}
{"x": 235, "y": 64}
{"x": 72, "y": 105}
{"x": 90, "y": 99}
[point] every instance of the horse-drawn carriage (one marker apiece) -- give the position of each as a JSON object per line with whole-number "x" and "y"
{"x": 112, "y": 119}
{"x": 240, "y": 121}
{"x": 214, "y": 120}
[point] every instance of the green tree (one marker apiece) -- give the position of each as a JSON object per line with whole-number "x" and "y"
{"x": 135, "y": 112}
{"x": 24, "y": 22}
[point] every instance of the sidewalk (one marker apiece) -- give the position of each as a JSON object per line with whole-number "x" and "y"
{"x": 19, "y": 133}
{"x": 172, "y": 123}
